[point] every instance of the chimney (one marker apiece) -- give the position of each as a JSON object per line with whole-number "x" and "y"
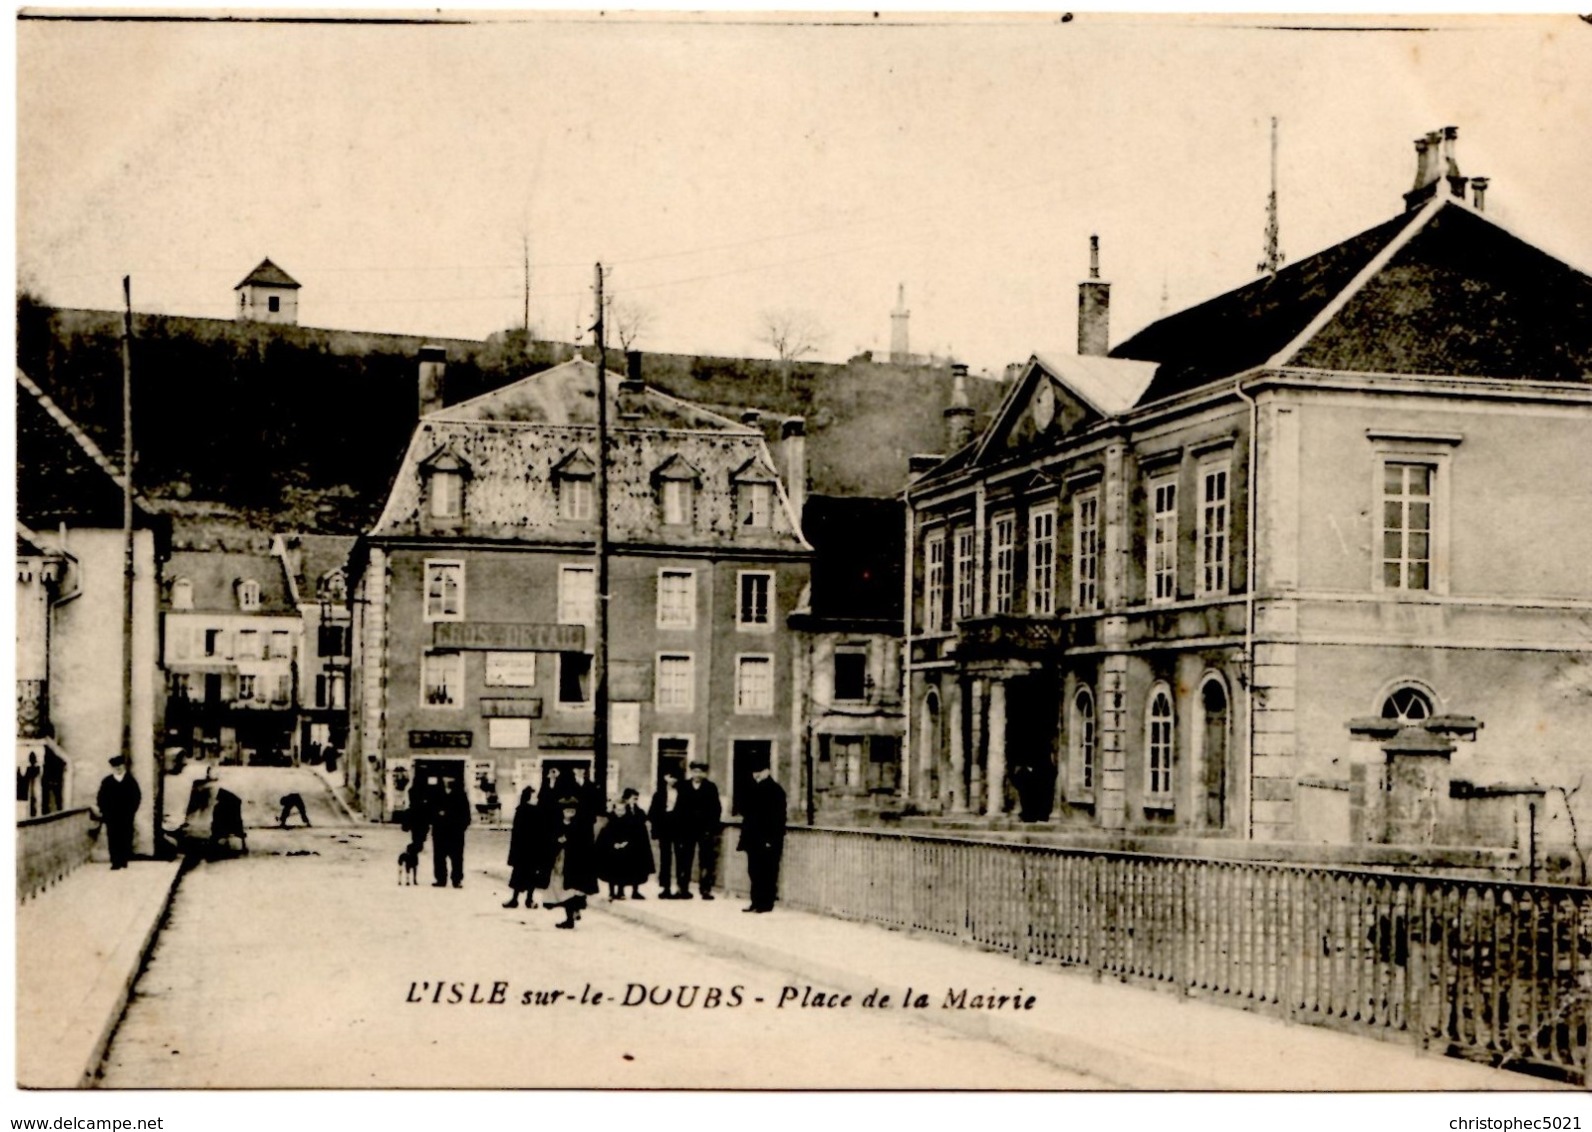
{"x": 433, "y": 361}
{"x": 919, "y": 464}
{"x": 1094, "y": 307}
{"x": 793, "y": 461}
{"x": 631, "y": 388}
{"x": 751, "y": 418}
{"x": 1436, "y": 161}
{"x": 1456, "y": 183}
{"x": 958, "y": 414}
{"x": 1478, "y": 189}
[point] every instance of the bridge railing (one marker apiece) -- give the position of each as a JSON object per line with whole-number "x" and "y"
{"x": 50, "y": 847}
{"x": 1493, "y": 970}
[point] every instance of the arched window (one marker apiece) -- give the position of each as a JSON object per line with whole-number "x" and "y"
{"x": 249, "y": 594}
{"x": 1158, "y": 745}
{"x": 182, "y": 594}
{"x": 1083, "y": 739}
{"x": 1212, "y": 735}
{"x": 1408, "y": 705}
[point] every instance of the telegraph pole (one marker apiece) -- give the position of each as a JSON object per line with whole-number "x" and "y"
{"x": 525, "y": 321}
{"x": 599, "y": 656}
{"x": 127, "y": 522}
{"x": 1272, "y": 258}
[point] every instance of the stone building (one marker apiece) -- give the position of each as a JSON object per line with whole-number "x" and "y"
{"x": 1306, "y": 561}
{"x": 268, "y": 294}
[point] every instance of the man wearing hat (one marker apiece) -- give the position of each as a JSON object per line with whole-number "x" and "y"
{"x": 763, "y": 837}
{"x": 118, "y": 801}
{"x": 699, "y": 814}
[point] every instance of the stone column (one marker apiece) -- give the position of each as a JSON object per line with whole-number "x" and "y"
{"x": 996, "y": 778}
{"x": 1111, "y": 744}
{"x": 975, "y": 737}
{"x": 957, "y": 749}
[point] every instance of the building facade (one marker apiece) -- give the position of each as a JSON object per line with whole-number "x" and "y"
{"x": 232, "y": 641}
{"x": 268, "y": 294}
{"x": 474, "y": 597}
{"x": 1305, "y": 562}
{"x": 316, "y": 568}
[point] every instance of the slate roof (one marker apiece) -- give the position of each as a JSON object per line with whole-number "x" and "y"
{"x": 62, "y": 476}
{"x": 513, "y": 438}
{"x": 310, "y": 558}
{"x": 215, "y": 575}
{"x": 1443, "y": 290}
{"x": 267, "y": 274}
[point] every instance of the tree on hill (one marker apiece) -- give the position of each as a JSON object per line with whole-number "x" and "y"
{"x": 792, "y": 334}
{"x": 629, "y": 320}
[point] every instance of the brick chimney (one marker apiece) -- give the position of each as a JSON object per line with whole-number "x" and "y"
{"x": 793, "y": 461}
{"x": 1436, "y": 161}
{"x": 958, "y": 414}
{"x": 1094, "y": 307}
{"x": 632, "y": 388}
{"x": 1478, "y": 192}
{"x": 433, "y": 363}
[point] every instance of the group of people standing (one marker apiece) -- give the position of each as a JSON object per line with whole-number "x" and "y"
{"x": 563, "y": 846}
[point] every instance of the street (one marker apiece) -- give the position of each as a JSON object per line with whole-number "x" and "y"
{"x": 305, "y": 964}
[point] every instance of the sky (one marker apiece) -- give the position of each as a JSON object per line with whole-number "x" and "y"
{"x": 729, "y": 166}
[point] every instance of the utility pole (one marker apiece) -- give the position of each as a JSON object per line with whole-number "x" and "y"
{"x": 599, "y": 656}
{"x": 525, "y": 318}
{"x": 1272, "y": 258}
{"x": 129, "y": 563}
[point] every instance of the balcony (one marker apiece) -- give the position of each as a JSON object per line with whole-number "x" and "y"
{"x": 1011, "y": 637}
{"x": 33, "y": 709}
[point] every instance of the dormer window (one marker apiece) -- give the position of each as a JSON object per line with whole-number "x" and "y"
{"x": 754, "y": 496}
{"x": 333, "y": 586}
{"x": 574, "y": 481}
{"x": 248, "y": 595}
{"x": 182, "y": 594}
{"x": 443, "y": 475}
{"x": 675, "y": 483}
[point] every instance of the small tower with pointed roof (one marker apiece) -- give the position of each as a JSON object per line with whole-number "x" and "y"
{"x": 268, "y": 294}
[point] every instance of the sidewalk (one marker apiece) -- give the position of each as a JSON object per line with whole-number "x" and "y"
{"x": 80, "y": 946}
{"x": 1130, "y": 1036}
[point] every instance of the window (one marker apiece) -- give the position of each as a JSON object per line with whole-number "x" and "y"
{"x": 444, "y": 591}
{"x": 442, "y": 679}
{"x": 934, "y": 583}
{"x": 1212, "y": 531}
{"x": 1042, "y": 562}
{"x": 1005, "y": 552}
{"x": 337, "y": 683}
{"x": 274, "y": 304}
{"x": 508, "y": 733}
{"x": 576, "y": 498}
{"x": 851, "y": 673}
{"x": 846, "y": 753}
{"x": 282, "y": 690}
{"x": 1163, "y": 539}
{"x": 1407, "y": 526}
{"x": 182, "y": 594}
{"x": 675, "y": 499}
{"x": 181, "y": 686}
{"x": 215, "y": 642}
{"x": 247, "y": 685}
{"x": 754, "y": 685}
{"x": 757, "y": 504}
{"x": 249, "y": 594}
{"x": 676, "y": 599}
{"x": 963, "y": 564}
{"x": 577, "y": 595}
{"x": 320, "y": 691}
{"x": 676, "y": 682}
{"x": 447, "y": 495}
{"x": 280, "y": 646}
{"x": 1086, "y": 550}
{"x": 1083, "y": 740}
{"x": 332, "y": 640}
{"x": 248, "y": 644}
{"x": 1158, "y": 745}
{"x": 1408, "y": 706}
{"x": 756, "y": 610}
{"x": 574, "y": 679}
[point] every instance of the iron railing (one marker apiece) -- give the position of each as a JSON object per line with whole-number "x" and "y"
{"x": 1492, "y": 970}
{"x": 50, "y": 847}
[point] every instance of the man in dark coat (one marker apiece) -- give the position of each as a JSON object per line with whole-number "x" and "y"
{"x": 450, "y": 817}
{"x": 697, "y": 832}
{"x": 763, "y": 838}
{"x": 418, "y": 821}
{"x": 525, "y": 850}
{"x": 118, "y": 801}
{"x": 662, "y": 814}
{"x": 571, "y": 872}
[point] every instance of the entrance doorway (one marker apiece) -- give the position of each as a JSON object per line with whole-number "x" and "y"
{"x": 673, "y": 753}
{"x": 746, "y": 755}
{"x": 1213, "y": 749}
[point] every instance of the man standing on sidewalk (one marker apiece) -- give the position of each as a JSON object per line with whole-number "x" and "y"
{"x": 663, "y": 815}
{"x": 118, "y": 801}
{"x": 697, "y": 832}
{"x": 763, "y": 838}
{"x": 450, "y": 817}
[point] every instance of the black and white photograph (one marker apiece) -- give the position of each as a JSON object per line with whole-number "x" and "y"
{"x": 604, "y": 552}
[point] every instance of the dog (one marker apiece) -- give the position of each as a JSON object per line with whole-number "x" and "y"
{"x": 409, "y": 865}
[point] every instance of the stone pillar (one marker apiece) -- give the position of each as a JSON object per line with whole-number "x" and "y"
{"x": 975, "y": 737}
{"x": 996, "y": 778}
{"x": 957, "y": 748}
{"x": 1274, "y": 743}
{"x": 1111, "y": 749}
{"x": 1116, "y": 539}
{"x": 1418, "y": 766}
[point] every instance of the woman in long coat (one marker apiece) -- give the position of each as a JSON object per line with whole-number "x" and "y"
{"x": 525, "y": 850}
{"x": 624, "y": 851}
{"x": 567, "y": 851}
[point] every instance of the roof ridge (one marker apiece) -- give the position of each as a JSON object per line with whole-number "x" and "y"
{"x": 73, "y": 429}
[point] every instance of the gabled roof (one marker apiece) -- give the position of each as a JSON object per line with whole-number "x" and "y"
{"x": 1110, "y": 386}
{"x": 216, "y": 574}
{"x": 267, "y": 274}
{"x": 310, "y": 558}
{"x": 1443, "y": 290}
{"x": 677, "y": 467}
